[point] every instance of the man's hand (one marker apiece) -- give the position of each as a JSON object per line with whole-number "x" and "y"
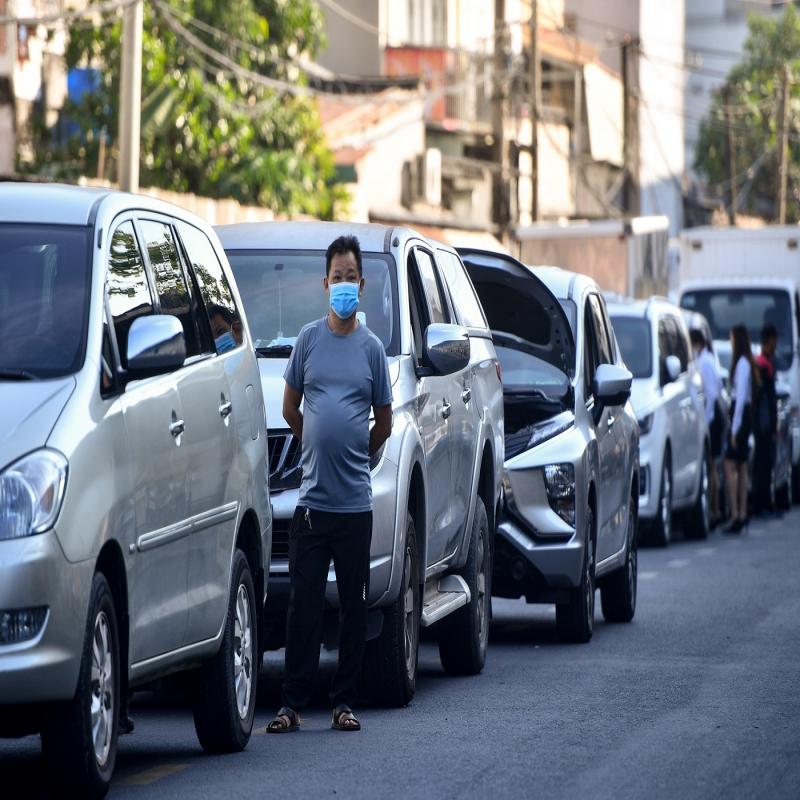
{"x": 381, "y": 430}
{"x": 291, "y": 411}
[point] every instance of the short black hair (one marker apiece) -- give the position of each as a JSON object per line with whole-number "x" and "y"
{"x": 697, "y": 337}
{"x": 341, "y": 246}
{"x": 769, "y": 331}
{"x": 216, "y": 310}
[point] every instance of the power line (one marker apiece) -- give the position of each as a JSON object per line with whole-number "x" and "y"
{"x": 349, "y": 16}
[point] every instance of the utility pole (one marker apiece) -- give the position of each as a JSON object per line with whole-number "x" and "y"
{"x": 630, "y": 131}
{"x": 535, "y": 90}
{"x": 783, "y": 145}
{"x": 500, "y": 173}
{"x": 130, "y": 107}
{"x": 731, "y": 159}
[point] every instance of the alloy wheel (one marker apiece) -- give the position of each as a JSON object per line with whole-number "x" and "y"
{"x": 633, "y": 558}
{"x": 589, "y": 583}
{"x": 102, "y": 689}
{"x": 410, "y": 621}
{"x": 704, "y": 505}
{"x": 666, "y": 503}
{"x": 242, "y": 652}
{"x": 482, "y": 606}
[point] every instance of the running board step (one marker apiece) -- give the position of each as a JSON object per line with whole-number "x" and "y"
{"x": 450, "y": 593}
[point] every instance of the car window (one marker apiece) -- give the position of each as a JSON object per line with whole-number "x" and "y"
{"x": 128, "y": 290}
{"x": 430, "y": 285}
{"x": 418, "y": 308}
{"x": 468, "y": 309}
{"x": 635, "y": 342}
{"x": 590, "y": 352}
{"x": 220, "y": 308}
{"x": 681, "y": 343}
{"x": 600, "y": 330}
{"x": 170, "y": 282}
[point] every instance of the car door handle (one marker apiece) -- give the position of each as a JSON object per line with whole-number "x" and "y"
{"x": 225, "y": 409}
{"x": 466, "y": 395}
{"x": 177, "y": 427}
{"x": 445, "y": 410}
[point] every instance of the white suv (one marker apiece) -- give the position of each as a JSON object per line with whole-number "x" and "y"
{"x": 668, "y": 399}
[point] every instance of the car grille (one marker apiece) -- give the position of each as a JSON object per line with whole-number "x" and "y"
{"x": 280, "y": 538}
{"x": 285, "y": 471}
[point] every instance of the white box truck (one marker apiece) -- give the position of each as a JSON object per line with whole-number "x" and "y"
{"x": 749, "y": 276}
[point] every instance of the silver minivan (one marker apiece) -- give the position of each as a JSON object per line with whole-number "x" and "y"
{"x": 135, "y": 522}
{"x": 569, "y": 522}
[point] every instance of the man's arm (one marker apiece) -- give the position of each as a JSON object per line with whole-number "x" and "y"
{"x": 291, "y": 411}
{"x": 381, "y": 430}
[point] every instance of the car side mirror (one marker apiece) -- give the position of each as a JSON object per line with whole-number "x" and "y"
{"x": 611, "y": 385}
{"x": 447, "y": 350}
{"x": 156, "y": 345}
{"x": 671, "y": 371}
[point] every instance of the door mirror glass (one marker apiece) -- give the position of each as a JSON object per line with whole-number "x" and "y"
{"x": 673, "y": 368}
{"x": 612, "y": 385}
{"x": 447, "y": 349}
{"x": 156, "y": 345}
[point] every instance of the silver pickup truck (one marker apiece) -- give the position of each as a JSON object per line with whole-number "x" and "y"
{"x": 436, "y": 484}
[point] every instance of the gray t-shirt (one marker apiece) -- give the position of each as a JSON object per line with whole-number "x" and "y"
{"x": 340, "y": 377}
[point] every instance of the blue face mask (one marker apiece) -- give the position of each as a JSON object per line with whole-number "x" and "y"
{"x": 344, "y": 299}
{"x": 225, "y": 342}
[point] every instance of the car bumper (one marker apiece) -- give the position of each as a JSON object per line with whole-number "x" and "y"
{"x": 34, "y": 573}
{"x": 384, "y": 516}
{"x": 650, "y": 462}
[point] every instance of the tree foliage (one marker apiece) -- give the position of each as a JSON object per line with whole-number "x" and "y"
{"x": 205, "y": 129}
{"x": 752, "y": 90}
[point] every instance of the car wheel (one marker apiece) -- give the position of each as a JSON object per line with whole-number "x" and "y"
{"x": 783, "y": 499}
{"x": 225, "y": 698}
{"x": 464, "y": 635}
{"x": 796, "y": 484}
{"x": 618, "y": 592}
{"x": 661, "y": 530}
{"x": 389, "y": 674}
{"x": 698, "y": 520}
{"x": 575, "y": 618}
{"x": 79, "y": 738}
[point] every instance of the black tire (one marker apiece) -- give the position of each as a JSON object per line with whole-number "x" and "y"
{"x": 464, "y": 635}
{"x": 698, "y": 519}
{"x": 224, "y": 706}
{"x": 78, "y": 764}
{"x": 661, "y": 527}
{"x": 618, "y": 591}
{"x": 796, "y": 484}
{"x": 389, "y": 675}
{"x": 575, "y": 618}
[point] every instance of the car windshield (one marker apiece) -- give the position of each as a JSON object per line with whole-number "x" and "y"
{"x": 44, "y": 298}
{"x": 724, "y": 308}
{"x": 524, "y": 373}
{"x": 633, "y": 337}
{"x": 282, "y": 291}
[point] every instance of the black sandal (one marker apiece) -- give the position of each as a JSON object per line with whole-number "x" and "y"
{"x": 286, "y": 721}
{"x": 344, "y": 719}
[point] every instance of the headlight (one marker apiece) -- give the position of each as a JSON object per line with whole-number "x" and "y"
{"x": 559, "y": 481}
{"x": 646, "y": 424}
{"x": 31, "y": 492}
{"x": 547, "y": 430}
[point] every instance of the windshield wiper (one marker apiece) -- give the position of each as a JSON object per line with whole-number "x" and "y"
{"x": 16, "y": 375}
{"x": 274, "y": 350}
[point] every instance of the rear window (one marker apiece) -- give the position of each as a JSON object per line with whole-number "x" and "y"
{"x": 724, "y": 308}
{"x": 635, "y": 341}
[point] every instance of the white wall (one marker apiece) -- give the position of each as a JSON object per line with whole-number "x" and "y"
{"x": 352, "y": 49}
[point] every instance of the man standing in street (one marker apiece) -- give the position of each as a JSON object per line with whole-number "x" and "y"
{"x": 765, "y": 424}
{"x": 712, "y": 386}
{"x": 339, "y": 368}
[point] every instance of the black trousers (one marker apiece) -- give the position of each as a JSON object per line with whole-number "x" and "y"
{"x": 763, "y": 464}
{"x": 314, "y": 538}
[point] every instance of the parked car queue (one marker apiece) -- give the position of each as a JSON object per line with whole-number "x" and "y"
{"x": 146, "y": 487}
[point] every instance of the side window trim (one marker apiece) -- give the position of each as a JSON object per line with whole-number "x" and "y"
{"x": 148, "y": 269}
{"x": 437, "y": 278}
{"x": 417, "y": 298}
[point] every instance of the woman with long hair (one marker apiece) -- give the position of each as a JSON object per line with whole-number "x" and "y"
{"x": 744, "y": 380}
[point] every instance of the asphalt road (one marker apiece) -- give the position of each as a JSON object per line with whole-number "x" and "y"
{"x": 699, "y": 697}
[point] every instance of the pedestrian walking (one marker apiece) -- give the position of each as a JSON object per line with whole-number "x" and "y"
{"x": 712, "y": 388}
{"x": 338, "y": 368}
{"x": 745, "y": 383}
{"x": 765, "y": 423}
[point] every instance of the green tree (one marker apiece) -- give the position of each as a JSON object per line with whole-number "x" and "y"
{"x": 752, "y": 89}
{"x": 206, "y": 129}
